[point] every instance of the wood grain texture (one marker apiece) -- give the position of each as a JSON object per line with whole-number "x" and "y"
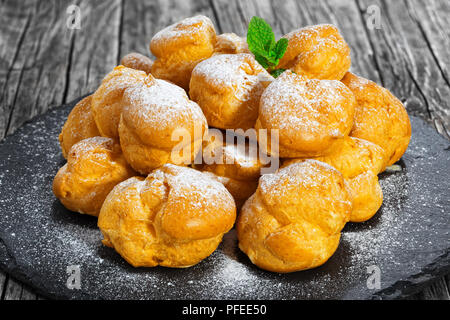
{"x": 44, "y": 63}
{"x": 427, "y": 86}
{"x": 14, "y": 290}
{"x": 94, "y": 47}
{"x": 35, "y": 49}
{"x": 437, "y": 291}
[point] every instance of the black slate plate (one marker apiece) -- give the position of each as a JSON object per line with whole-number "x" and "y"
{"x": 408, "y": 240}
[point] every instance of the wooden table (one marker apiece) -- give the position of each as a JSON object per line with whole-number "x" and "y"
{"x": 46, "y": 60}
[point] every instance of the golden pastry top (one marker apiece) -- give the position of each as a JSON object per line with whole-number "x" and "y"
{"x": 317, "y": 52}
{"x": 197, "y": 31}
{"x": 154, "y": 108}
{"x": 230, "y": 43}
{"x": 309, "y": 114}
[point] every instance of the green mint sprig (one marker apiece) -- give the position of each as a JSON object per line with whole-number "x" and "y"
{"x": 261, "y": 42}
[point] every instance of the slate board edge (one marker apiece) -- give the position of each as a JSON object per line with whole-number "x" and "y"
{"x": 400, "y": 289}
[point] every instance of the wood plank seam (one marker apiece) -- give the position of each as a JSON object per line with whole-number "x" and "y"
{"x": 372, "y": 46}
{"x": 21, "y": 40}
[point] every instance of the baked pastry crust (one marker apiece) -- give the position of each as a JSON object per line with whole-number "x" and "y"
{"x": 175, "y": 217}
{"x": 359, "y": 161}
{"x": 234, "y": 165}
{"x": 310, "y": 115}
{"x": 379, "y": 118}
{"x": 106, "y": 102}
{"x": 94, "y": 166}
{"x": 228, "y": 88}
{"x": 153, "y": 111}
{"x": 230, "y": 43}
{"x": 294, "y": 220}
{"x": 317, "y": 52}
{"x": 137, "y": 61}
{"x": 180, "y": 47}
{"x": 80, "y": 124}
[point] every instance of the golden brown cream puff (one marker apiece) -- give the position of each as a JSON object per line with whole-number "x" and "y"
{"x": 137, "y": 61}
{"x": 80, "y": 124}
{"x": 230, "y": 43}
{"x": 366, "y": 194}
{"x": 294, "y": 220}
{"x": 309, "y": 116}
{"x": 174, "y": 218}
{"x": 94, "y": 166}
{"x": 179, "y": 47}
{"x": 228, "y": 88}
{"x": 106, "y": 102}
{"x": 235, "y": 164}
{"x": 380, "y": 118}
{"x": 159, "y": 125}
{"x": 359, "y": 161}
{"x": 317, "y": 52}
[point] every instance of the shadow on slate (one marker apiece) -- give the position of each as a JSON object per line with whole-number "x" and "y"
{"x": 408, "y": 239}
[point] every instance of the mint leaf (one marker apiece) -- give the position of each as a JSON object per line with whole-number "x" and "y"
{"x": 262, "y": 60}
{"x": 260, "y": 37}
{"x": 275, "y": 73}
{"x": 281, "y": 47}
{"x": 261, "y": 42}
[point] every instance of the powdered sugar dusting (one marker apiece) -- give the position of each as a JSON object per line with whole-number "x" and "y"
{"x": 310, "y": 106}
{"x": 233, "y": 71}
{"x": 305, "y": 174}
{"x": 39, "y": 238}
{"x": 188, "y": 26}
{"x": 161, "y": 104}
{"x": 189, "y": 183}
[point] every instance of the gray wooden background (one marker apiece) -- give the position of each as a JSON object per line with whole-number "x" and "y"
{"x": 44, "y": 63}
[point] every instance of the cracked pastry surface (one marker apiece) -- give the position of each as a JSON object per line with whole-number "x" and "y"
{"x": 379, "y": 118}
{"x": 359, "y": 161}
{"x": 137, "y": 61}
{"x": 94, "y": 166}
{"x": 178, "y": 48}
{"x": 107, "y": 103}
{"x": 310, "y": 115}
{"x": 317, "y": 52}
{"x": 228, "y": 88}
{"x": 235, "y": 165}
{"x": 175, "y": 217}
{"x": 294, "y": 220}
{"x": 157, "y": 120}
{"x": 80, "y": 124}
{"x": 230, "y": 43}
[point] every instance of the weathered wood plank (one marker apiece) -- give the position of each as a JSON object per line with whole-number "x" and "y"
{"x": 28, "y": 293}
{"x": 437, "y": 291}
{"x": 433, "y": 20}
{"x": 34, "y": 48}
{"x": 407, "y": 63}
{"x": 13, "y": 289}
{"x": 95, "y": 48}
{"x": 3, "y": 278}
{"x": 46, "y": 63}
